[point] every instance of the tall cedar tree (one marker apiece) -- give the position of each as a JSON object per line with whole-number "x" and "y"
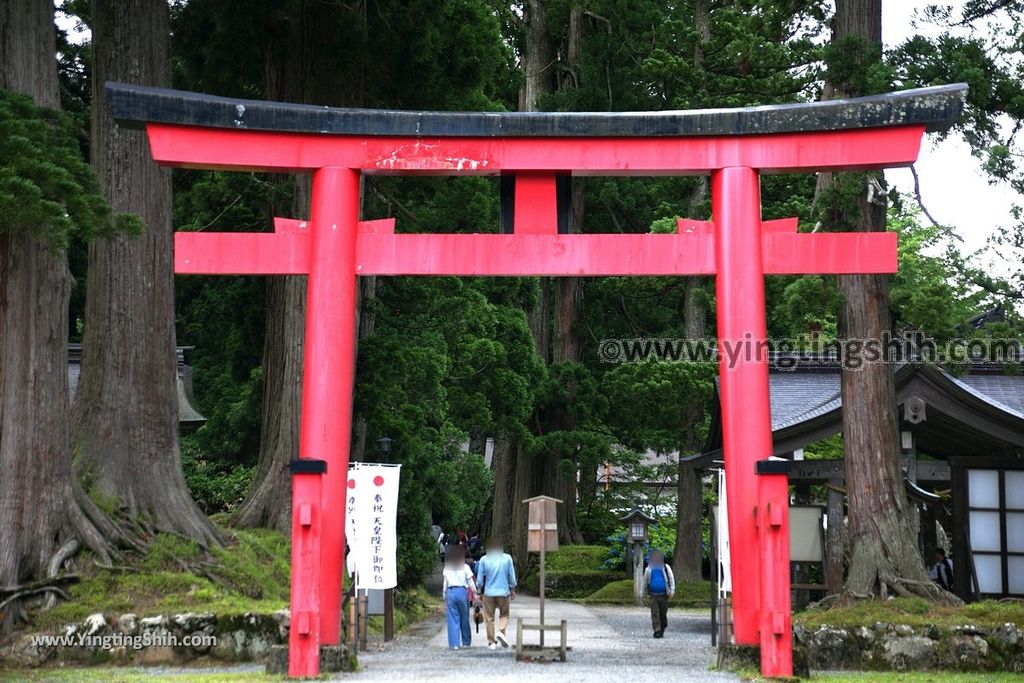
{"x": 125, "y": 415}
{"x": 884, "y": 556}
{"x": 299, "y": 70}
{"x": 45, "y": 514}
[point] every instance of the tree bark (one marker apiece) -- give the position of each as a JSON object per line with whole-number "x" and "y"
{"x": 268, "y": 502}
{"x": 884, "y": 554}
{"x": 41, "y": 506}
{"x": 125, "y": 415}
{"x": 302, "y": 71}
{"x": 688, "y": 556}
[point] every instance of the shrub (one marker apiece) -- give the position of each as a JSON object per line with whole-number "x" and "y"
{"x": 570, "y": 585}
{"x": 688, "y": 594}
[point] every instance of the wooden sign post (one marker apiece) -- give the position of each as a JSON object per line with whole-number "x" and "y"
{"x": 541, "y": 536}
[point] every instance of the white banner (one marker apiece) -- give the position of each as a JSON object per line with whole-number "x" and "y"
{"x": 372, "y": 510}
{"x": 724, "y": 553}
{"x": 356, "y": 483}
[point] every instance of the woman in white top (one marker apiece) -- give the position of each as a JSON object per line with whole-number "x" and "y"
{"x": 459, "y": 587}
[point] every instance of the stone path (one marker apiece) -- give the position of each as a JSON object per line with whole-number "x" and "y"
{"x": 608, "y": 644}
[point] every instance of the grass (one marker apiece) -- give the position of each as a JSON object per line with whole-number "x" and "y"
{"x": 898, "y": 677}
{"x": 411, "y": 605}
{"x": 914, "y": 612}
{"x": 253, "y": 569}
{"x": 916, "y": 677}
{"x": 132, "y": 675}
{"x": 688, "y": 594}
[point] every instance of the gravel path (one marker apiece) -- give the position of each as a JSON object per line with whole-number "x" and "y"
{"x": 608, "y": 644}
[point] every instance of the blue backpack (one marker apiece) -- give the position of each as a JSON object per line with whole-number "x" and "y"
{"x": 659, "y": 582}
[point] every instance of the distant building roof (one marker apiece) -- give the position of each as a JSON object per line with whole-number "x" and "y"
{"x": 189, "y": 418}
{"x": 975, "y": 414}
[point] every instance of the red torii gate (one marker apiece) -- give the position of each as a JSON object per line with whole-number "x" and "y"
{"x": 334, "y": 247}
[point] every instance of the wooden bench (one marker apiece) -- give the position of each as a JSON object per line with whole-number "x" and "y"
{"x": 526, "y": 652}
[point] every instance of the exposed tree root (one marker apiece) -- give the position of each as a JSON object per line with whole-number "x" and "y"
{"x": 48, "y": 586}
{"x": 64, "y": 553}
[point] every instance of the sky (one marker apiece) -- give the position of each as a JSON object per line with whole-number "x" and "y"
{"x": 954, "y": 187}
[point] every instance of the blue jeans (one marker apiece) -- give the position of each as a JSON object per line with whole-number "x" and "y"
{"x": 458, "y": 617}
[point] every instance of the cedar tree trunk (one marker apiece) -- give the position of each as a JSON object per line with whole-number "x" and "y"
{"x": 884, "y": 554}
{"x": 44, "y": 513}
{"x": 300, "y": 70}
{"x": 125, "y": 416}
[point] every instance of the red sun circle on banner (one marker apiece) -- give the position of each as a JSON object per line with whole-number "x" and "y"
{"x": 351, "y": 483}
{"x": 378, "y": 480}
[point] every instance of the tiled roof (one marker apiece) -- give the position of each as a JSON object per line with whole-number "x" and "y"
{"x": 799, "y": 396}
{"x": 188, "y": 416}
{"x": 1004, "y": 391}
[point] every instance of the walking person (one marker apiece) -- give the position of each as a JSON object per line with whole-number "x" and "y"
{"x": 496, "y": 578}
{"x": 458, "y": 586}
{"x": 660, "y": 585}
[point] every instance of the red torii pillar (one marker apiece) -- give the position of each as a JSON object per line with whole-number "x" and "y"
{"x": 333, "y": 248}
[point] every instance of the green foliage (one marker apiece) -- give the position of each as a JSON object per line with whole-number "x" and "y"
{"x": 568, "y": 585}
{"x": 576, "y": 558}
{"x": 46, "y": 187}
{"x": 572, "y": 572}
{"x": 659, "y": 404}
{"x": 661, "y": 536}
{"x": 855, "y": 66}
{"x": 215, "y": 487}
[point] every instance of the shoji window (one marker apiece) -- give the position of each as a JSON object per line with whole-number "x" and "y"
{"x": 996, "y": 526}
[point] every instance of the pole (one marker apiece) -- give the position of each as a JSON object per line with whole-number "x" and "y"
{"x": 329, "y": 364}
{"x": 543, "y": 556}
{"x": 746, "y": 419}
{"x": 389, "y": 614}
{"x": 364, "y": 608}
{"x": 638, "y": 573}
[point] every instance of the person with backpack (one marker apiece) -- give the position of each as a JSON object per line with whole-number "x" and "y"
{"x": 660, "y": 585}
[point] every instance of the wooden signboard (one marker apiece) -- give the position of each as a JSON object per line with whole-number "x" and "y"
{"x": 542, "y": 522}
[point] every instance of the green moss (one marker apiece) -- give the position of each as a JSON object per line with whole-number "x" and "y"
{"x": 914, "y": 612}
{"x": 688, "y": 594}
{"x": 167, "y": 551}
{"x": 252, "y": 572}
{"x": 916, "y": 677}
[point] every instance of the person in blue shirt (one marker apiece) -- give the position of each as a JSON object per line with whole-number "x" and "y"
{"x": 496, "y": 579}
{"x": 660, "y": 585}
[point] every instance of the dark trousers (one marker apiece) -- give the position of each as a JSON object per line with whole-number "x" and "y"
{"x": 659, "y": 612}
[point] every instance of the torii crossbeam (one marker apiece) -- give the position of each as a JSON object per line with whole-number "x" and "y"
{"x": 333, "y": 247}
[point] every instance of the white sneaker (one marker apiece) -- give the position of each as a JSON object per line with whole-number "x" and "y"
{"x": 493, "y": 646}
{"x": 456, "y": 647}
{"x": 501, "y": 639}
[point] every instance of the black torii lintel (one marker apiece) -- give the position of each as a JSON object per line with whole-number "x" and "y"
{"x": 937, "y": 108}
